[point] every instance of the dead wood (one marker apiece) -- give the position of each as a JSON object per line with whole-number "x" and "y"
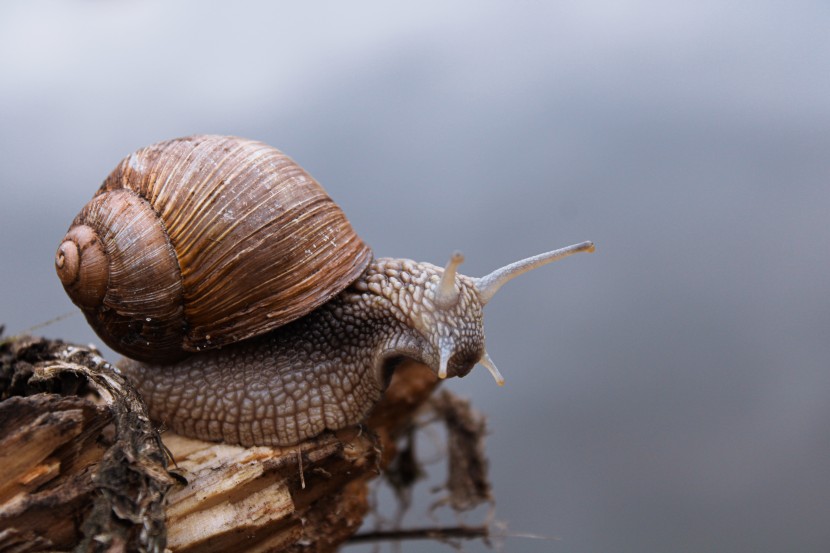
{"x": 83, "y": 466}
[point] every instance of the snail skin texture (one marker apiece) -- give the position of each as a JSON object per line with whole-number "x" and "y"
{"x": 249, "y": 310}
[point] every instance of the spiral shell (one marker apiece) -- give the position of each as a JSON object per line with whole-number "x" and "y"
{"x": 203, "y": 241}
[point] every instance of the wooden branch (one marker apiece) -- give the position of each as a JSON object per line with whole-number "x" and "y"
{"x": 441, "y": 533}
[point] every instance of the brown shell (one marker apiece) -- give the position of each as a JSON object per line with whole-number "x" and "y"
{"x": 204, "y": 241}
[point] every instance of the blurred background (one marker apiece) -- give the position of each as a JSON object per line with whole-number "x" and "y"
{"x": 668, "y": 393}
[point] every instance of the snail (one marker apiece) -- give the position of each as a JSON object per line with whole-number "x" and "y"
{"x": 248, "y": 309}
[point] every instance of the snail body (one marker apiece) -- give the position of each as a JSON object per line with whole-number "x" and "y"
{"x": 323, "y": 371}
{"x": 268, "y": 322}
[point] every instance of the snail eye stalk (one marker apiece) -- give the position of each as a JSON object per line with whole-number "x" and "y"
{"x": 447, "y": 294}
{"x": 488, "y": 285}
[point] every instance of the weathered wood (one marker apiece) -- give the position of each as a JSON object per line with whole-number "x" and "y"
{"x": 86, "y": 467}
{"x": 45, "y": 463}
{"x": 255, "y": 498}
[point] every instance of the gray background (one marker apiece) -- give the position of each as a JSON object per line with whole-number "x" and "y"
{"x": 668, "y": 393}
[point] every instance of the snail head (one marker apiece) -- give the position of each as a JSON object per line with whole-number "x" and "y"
{"x": 452, "y": 316}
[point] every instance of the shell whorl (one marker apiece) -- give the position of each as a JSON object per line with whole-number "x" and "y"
{"x": 203, "y": 241}
{"x": 82, "y": 266}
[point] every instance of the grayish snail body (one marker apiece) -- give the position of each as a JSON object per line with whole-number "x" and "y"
{"x": 250, "y": 311}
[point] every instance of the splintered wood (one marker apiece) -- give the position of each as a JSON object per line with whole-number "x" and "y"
{"x": 83, "y": 468}
{"x": 42, "y": 443}
{"x": 254, "y": 499}
{"x": 82, "y": 465}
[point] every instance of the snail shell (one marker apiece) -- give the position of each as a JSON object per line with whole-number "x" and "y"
{"x": 203, "y": 241}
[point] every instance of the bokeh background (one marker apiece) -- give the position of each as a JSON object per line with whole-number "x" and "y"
{"x": 668, "y": 393}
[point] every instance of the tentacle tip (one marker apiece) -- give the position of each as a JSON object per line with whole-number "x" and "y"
{"x": 590, "y": 247}
{"x": 488, "y": 364}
